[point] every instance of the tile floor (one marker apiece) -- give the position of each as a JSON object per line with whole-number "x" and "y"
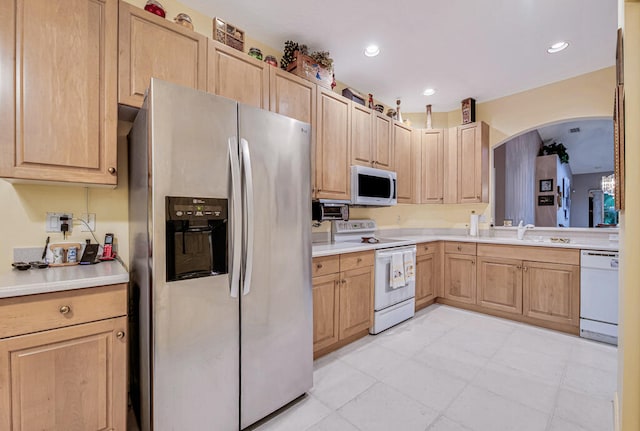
{"x": 452, "y": 370}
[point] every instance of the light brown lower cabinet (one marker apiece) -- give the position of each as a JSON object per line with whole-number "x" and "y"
{"x": 71, "y": 378}
{"x": 342, "y": 299}
{"x": 500, "y": 284}
{"x": 428, "y": 273}
{"x": 552, "y": 292}
{"x": 460, "y": 272}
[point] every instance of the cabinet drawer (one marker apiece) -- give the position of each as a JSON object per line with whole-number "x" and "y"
{"x": 356, "y": 260}
{"x": 33, "y": 313}
{"x": 460, "y": 247}
{"x": 533, "y": 253}
{"x": 325, "y": 265}
{"x": 425, "y": 248}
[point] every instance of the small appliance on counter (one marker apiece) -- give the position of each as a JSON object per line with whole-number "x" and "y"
{"x": 321, "y": 211}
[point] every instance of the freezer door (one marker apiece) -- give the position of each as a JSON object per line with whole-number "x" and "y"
{"x": 195, "y": 323}
{"x": 276, "y": 301}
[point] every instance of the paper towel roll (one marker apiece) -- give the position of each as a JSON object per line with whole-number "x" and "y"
{"x": 473, "y": 225}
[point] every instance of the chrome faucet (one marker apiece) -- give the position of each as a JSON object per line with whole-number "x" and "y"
{"x": 523, "y": 228}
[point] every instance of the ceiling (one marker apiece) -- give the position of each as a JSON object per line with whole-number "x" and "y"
{"x": 590, "y": 150}
{"x": 483, "y": 49}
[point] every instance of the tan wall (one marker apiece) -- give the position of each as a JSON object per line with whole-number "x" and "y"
{"x": 629, "y": 349}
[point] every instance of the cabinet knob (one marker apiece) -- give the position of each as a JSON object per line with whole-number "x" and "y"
{"x": 426, "y": 248}
{"x": 112, "y": 170}
{"x": 65, "y": 309}
{"x": 319, "y": 266}
{"x": 459, "y": 248}
{"x": 359, "y": 259}
{"x": 526, "y": 268}
{"x": 477, "y": 196}
{"x": 473, "y": 262}
{"x": 343, "y": 281}
{"x": 120, "y": 334}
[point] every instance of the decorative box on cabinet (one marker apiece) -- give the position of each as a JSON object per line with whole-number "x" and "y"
{"x": 63, "y": 355}
{"x": 151, "y": 46}
{"x": 58, "y": 116}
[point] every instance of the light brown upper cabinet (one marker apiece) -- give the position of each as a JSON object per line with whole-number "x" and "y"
{"x": 291, "y": 95}
{"x": 473, "y": 163}
{"x": 233, "y": 74}
{"x": 431, "y": 178}
{"x": 151, "y": 46}
{"x": 383, "y": 147}
{"x": 333, "y": 141}
{"x": 362, "y": 145}
{"x": 402, "y": 163}
{"x": 58, "y": 114}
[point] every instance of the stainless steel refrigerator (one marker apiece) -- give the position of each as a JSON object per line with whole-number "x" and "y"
{"x": 220, "y": 244}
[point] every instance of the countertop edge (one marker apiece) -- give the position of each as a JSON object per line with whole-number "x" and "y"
{"x": 320, "y": 250}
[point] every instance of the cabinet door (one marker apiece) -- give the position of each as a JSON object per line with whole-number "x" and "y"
{"x": 552, "y": 292}
{"x": 333, "y": 138}
{"x": 500, "y": 284}
{"x": 58, "y": 77}
{"x": 383, "y": 148}
{"x": 356, "y": 292}
{"x": 432, "y": 157}
{"x": 460, "y": 277}
{"x": 473, "y": 163}
{"x": 428, "y": 278}
{"x": 402, "y": 163}
{"x": 151, "y": 46}
{"x": 325, "y": 310}
{"x": 292, "y": 96}
{"x": 71, "y": 379}
{"x": 361, "y": 135}
{"x": 233, "y": 74}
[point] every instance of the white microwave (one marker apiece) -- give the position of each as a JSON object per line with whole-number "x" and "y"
{"x": 370, "y": 186}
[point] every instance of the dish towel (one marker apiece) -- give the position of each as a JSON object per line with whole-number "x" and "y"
{"x": 396, "y": 274}
{"x": 409, "y": 266}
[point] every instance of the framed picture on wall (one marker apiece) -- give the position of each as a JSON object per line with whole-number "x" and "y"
{"x": 546, "y": 201}
{"x": 546, "y": 185}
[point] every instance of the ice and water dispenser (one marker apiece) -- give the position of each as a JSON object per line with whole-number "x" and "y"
{"x": 196, "y": 232}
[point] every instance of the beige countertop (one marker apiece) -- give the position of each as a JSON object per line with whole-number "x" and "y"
{"x": 349, "y": 247}
{"x": 34, "y": 281}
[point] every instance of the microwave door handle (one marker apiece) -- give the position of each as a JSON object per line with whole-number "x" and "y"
{"x": 392, "y": 191}
{"x": 249, "y": 215}
{"x": 236, "y": 218}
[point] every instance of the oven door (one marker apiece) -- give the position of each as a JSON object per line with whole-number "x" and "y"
{"x": 384, "y": 295}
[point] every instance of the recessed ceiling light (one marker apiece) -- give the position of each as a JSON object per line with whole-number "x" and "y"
{"x": 557, "y": 47}
{"x": 429, "y": 92}
{"x": 372, "y": 51}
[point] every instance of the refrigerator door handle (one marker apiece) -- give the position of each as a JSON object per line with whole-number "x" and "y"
{"x": 249, "y": 214}
{"x": 236, "y": 217}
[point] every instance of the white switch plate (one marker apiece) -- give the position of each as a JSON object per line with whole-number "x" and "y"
{"x": 53, "y": 222}
{"x": 91, "y": 221}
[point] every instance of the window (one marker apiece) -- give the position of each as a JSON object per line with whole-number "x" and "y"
{"x": 610, "y": 213}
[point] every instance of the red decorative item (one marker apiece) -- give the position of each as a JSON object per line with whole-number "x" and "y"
{"x": 333, "y": 82}
{"x": 155, "y": 7}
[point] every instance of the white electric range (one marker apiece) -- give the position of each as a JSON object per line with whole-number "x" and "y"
{"x": 392, "y": 303}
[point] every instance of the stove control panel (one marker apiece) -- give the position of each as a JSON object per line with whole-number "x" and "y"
{"x": 353, "y": 226}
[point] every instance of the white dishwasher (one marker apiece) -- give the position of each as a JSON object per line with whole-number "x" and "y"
{"x": 599, "y": 295}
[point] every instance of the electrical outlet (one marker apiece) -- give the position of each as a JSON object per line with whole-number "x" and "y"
{"x": 53, "y": 222}
{"x": 90, "y": 219}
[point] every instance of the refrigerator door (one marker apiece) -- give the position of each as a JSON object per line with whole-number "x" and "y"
{"x": 276, "y": 300}
{"x": 195, "y": 323}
